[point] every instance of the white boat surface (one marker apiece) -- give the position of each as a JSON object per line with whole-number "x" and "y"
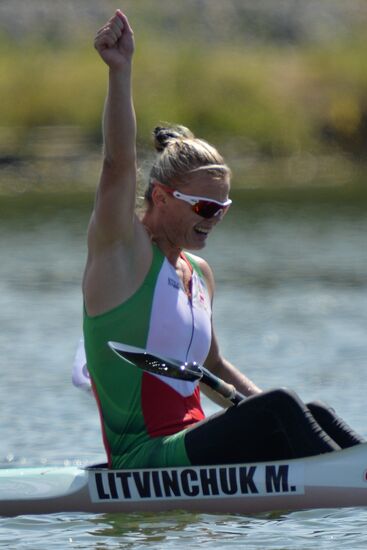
{"x": 331, "y": 480}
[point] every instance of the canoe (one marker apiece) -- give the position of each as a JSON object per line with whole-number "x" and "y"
{"x": 337, "y": 479}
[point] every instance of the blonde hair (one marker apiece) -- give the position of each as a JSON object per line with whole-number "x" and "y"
{"x": 180, "y": 153}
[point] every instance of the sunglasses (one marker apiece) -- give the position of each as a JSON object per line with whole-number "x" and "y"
{"x": 202, "y": 206}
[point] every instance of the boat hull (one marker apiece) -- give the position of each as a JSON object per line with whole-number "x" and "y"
{"x": 337, "y": 479}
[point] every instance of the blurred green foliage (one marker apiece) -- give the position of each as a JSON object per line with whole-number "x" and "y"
{"x": 48, "y": 86}
{"x": 269, "y": 100}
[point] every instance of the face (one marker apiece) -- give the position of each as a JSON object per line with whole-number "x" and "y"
{"x": 184, "y": 227}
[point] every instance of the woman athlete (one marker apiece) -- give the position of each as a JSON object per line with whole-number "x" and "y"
{"x": 141, "y": 288}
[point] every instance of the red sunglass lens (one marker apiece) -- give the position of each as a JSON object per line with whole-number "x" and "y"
{"x": 207, "y": 209}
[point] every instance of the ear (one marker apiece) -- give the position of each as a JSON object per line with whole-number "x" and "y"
{"x": 159, "y": 196}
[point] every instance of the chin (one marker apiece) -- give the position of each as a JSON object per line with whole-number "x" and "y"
{"x": 196, "y": 246}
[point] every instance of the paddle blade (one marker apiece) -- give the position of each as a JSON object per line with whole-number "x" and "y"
{"x": 157, "y": 365}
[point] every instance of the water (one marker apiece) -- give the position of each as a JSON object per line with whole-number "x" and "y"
{"x": 290, "y": 309}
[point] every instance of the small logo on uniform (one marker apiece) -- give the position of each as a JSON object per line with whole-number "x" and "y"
{"x": 201, "y": 292}
{"x": 173, "y": 283}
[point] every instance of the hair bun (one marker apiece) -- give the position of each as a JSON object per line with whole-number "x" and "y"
{"x": 163, "y": 135}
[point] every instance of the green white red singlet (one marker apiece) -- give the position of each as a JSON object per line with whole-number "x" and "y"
{"x": 144, "y": 416}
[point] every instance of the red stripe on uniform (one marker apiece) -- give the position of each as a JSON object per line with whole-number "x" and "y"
{"x": 104, "y": 437}
{"x": 165, "y": 411}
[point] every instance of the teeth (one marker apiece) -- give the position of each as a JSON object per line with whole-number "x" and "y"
{"x": 201, "y": 230}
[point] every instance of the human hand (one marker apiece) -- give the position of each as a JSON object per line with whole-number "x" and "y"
{"x": 115, "y": 41}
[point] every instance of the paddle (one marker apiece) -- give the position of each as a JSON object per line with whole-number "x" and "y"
{"x": 174, "y": 369}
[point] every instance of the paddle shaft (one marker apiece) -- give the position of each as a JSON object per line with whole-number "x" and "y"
{"x": 220, "y": 386}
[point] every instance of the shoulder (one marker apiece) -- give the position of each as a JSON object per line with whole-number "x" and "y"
{"x": 205, "y": 270}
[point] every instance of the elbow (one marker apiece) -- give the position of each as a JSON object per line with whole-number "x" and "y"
{"x": 215, "y": 367}
{"x": 120, "y": 158}
{"x": 115, "y": 169}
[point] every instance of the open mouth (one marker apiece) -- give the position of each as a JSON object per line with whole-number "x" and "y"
{"x": 202, "y": 231}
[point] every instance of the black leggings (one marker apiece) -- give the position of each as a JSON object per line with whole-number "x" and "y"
{"x": 273, "y": 425}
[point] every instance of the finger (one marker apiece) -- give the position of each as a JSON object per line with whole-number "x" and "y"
{"x": 114, "y": 22}
{"x": 103, "y": 29}
{"x": 110, "y": 26}
{"x": 123, "y": 18}
{"x": 116, "y": 29}
{"x": 108, "y": 35}
{"x": 104, "y": 41}
{"x": 118, "y": 20}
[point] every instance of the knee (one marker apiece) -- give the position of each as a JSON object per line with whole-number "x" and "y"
{"x": 320, "y": 407}
{"x": 283, "y": 394}
{"x": 283, "y": 399}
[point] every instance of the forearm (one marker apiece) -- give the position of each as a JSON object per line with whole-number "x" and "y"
{"x": 115, "y": 44}
{"x": 229, "y": 373}
{"x": 216, "y": 397}
{"x": 119, "y": 123}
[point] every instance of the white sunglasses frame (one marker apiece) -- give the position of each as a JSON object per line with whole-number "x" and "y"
{"x": 194, "y": 199}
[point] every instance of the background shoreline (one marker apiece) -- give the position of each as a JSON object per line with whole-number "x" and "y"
{"x": 281, "y": 89}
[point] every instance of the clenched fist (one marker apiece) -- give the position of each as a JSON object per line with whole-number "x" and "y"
{"x": 115, "y": 41}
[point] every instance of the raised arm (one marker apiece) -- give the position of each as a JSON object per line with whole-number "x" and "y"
{"x": 115, "y": 201}
{"x": 119, "y": 250}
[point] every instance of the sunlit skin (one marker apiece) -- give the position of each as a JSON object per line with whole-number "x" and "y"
{"x": 173, "y": 224}
{"x": 124, "y": 261}
{"x": 119, "y": 242}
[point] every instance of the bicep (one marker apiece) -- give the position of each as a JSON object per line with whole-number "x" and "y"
{"x": 208, "y": 275}
{"x": 213, "y": 359}
{"x": 114, "y": 208}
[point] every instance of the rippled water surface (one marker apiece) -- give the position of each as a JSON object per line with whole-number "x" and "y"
{"x": 290, "y": 309}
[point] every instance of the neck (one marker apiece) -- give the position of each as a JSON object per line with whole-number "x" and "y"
{"x": 160, "y": 238}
